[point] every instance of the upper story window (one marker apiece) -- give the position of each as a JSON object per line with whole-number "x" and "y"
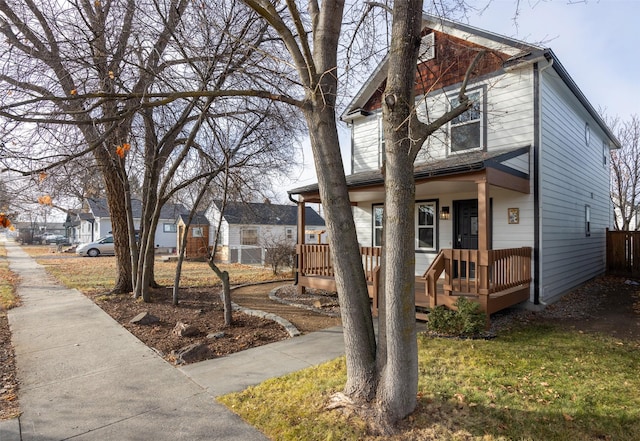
{"x": 381, "y": 143}
{"x": 169, "y": 228}
{"x": 197, "y": 232}
{"x": 289, "y": 233}
{"x": 465, "y": 131}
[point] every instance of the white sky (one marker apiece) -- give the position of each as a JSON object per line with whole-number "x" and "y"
{"x": 598, "y": 43}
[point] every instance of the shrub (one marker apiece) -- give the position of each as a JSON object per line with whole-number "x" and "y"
{"x": 467, "y": 321}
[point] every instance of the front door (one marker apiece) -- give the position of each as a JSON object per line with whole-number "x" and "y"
{"x": 465, "y": 217}
{"x": 465, "y": 232}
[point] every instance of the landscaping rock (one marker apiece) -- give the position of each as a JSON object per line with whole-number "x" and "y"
{"x": 216, "y": 335}
{"x": 144, "y": 318}
{"x": 193, "y": 352}
{"x": 184, "y": 330}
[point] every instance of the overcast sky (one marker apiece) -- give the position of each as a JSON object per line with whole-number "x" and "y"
{"x": 598, "y": 42}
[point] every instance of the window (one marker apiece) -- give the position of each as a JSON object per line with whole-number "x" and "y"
{"x": 197, "y": 232}
{"x": 426, "y": 226}
{"x": 378, "y": 212}
{"x": 605, "y": 153}
{"x": 587, "y": 220}
{"x": 466, "y": 129}
{"x": 289, "y": 233}
{"x": 249, "y": 236}
{"x": 381, "y": 144}
{"x": 169, "y": 228}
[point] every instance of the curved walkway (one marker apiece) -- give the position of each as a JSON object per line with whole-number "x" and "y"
{"x": 84, "y": 377}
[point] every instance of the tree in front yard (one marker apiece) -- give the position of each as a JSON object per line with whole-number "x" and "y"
{"x": 383, "y": 375}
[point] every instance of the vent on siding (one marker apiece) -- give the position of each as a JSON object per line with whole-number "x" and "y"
{"x": 427, "y": 48}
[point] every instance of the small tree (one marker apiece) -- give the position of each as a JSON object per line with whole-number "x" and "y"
{"x": 280, "y": 252}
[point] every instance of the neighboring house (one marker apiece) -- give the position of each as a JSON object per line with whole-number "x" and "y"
{"x": 512, "y": 197}
{"x": 94, "y": 222}
{"x": 248, "y": 228}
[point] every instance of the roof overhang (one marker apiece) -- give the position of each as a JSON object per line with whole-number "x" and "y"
{"x": 493, "y": 168}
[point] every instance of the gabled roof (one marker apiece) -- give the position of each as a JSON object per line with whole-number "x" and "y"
{"x": 99, "y": 208}
{"x": 241, "y": 213}
{"x": 519, "y": 52}
{"x": 511, "y": 47}
{"x": 464, "y": 163}
{"x": 198, "y": 219}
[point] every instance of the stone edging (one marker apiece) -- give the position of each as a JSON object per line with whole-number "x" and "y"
{"x": 286, "y": 324}
{"x": 272, "y": 296}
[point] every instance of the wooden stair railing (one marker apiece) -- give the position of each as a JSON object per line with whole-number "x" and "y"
{"x": 432, "y": 274}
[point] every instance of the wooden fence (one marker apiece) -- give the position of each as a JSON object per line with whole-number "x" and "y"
{"x": 623, "y": 253}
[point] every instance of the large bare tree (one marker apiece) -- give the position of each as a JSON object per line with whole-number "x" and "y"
{"x": 61, "y": 58}
{"x": 384, "y": 373}
{"x": 625, "y": 173}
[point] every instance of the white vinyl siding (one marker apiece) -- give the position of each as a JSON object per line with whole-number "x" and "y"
{"x": 508, "y": 119}
{"x": 366, "y": 132}
{"x": 572, "y": 176}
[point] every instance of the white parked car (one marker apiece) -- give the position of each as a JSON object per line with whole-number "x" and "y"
{"x": 102, "y": 246}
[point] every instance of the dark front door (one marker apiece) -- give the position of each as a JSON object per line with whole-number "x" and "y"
{"x": 465, "y": 233}
{"x": 465, "y": 217}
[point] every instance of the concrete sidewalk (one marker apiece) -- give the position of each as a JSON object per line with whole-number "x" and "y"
{"x": 83, "y": 376}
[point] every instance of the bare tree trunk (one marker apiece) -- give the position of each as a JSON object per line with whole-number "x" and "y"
{"x": 399, "y": 377}
{"x": 360, "y": 344}
{"x": 226, "y": 290}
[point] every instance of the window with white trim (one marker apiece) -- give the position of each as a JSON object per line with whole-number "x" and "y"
{"x": 197, "y": 232}
{"x": 169, "y": 228}
{"x": 426, "y": 226}
{"x": 378, "y": 212}
{"x": 381, "y": 143}
{"x": 249, "y": 236}
{"x": 465, "y": 131}
{"x": 289, "y": 233}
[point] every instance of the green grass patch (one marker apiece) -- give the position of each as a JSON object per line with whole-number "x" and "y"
{"x": 97, "y": 274}
{"x": 8, "y": 281}
{"x": 534, "y": 383}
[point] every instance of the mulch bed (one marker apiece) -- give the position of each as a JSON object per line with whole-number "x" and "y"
{"x": 199, "y": 308}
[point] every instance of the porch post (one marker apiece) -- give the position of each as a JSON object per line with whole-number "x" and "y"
{"x": 483, "y": 239}
{"x": 483, "y": 216}
{"x": 300, "y": 241}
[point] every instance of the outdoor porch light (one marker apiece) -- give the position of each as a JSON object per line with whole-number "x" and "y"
{"x": 444, "y": 213}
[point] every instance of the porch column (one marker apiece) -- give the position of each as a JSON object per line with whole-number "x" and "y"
{"x": 482, "y": 272}
{"x": 483, "y": 216}
{"x": 300, "y": 241}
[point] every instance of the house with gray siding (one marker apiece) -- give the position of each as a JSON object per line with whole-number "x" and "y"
{"x": 94, "y": 222}
{"x": 248, "y": 228}
{"x": 512, "y": 197}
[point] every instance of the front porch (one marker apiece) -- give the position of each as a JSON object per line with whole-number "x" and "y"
{"x": 456, "y": 227}
{"x": 496, "y": 279}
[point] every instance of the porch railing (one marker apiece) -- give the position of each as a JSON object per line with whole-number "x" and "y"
{"x": 480, "y": 273}
{"x": 315, "y": 260}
